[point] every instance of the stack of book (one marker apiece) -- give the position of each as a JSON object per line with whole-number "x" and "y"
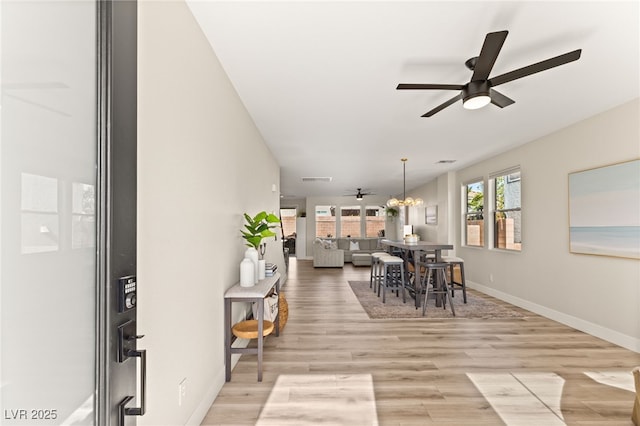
{"x": 270, "y": 269}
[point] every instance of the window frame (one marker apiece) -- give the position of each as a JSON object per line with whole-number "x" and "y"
{"x": 466, "y": 213}
{"x": 495, "y": 210}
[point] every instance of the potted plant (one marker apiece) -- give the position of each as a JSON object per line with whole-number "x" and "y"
{"x": 259, "y": 227}
{"x": 255, "y": 229}
{"x": 392, "y": 212}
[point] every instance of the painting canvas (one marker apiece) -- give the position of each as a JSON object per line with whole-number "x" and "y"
{"x": 604, "y": 210}
{"x": 431, "y": 215}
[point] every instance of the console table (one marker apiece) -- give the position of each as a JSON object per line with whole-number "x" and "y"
{"x": 257, "y": 293}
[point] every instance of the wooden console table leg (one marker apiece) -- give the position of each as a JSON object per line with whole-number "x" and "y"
{"x": 227, "y": 339}
{"x": 260, "y": 303}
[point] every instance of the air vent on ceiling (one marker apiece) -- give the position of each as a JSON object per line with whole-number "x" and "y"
{"x": 317, "y": 179}
{"x": 446, "y": 161}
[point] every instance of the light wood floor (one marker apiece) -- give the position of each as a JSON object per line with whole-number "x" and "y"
{"x": 334, "y": 365}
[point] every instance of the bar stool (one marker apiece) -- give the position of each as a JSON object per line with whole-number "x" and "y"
{"x": 376, "y": 273}
{"x": 438, "y": 287}
{"x": 392, "y": 276}
{"x": 453, "y": 261}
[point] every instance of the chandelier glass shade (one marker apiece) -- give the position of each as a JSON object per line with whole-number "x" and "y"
{"x": 406, "y": 201}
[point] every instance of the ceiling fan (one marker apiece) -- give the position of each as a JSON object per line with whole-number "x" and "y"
{"x": 479, "y": 91}
{"x": 360, "y": 193}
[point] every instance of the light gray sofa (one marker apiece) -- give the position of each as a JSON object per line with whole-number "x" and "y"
{"x": 365, "y": 245}
{"x": 339, "y": 251}
{"x": 327, "y": 255}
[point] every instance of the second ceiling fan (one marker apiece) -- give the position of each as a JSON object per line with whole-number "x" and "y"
{"x": 479, "y": 91}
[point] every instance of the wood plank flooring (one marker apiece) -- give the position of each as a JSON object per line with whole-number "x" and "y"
{"x": 331, "y": 358}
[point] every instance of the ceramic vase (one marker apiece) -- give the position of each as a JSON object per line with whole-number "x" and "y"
{"x": 247, "y": 273}
{"x": 252, "y": 254}
{"x": 261, "y": 269}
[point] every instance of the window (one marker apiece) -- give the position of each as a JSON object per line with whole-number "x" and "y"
{"x": 374, "y": 221}
{"x": 325, "y": 221}
{"x": 350, "y": 221}
{"x": 474, "y": 216}
{"x": 288, "y": 221}
{"x": 507, "y": 217}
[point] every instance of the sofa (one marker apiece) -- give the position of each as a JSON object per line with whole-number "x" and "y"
{"x": 364, "y": 245}
{"x": 327, "y": 255}
{"x": 334, "y": 252}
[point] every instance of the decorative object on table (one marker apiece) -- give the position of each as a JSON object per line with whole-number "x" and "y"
{"x": 252, "y": 254}
{"x": 411, "y": 238}
{"x": 406, "y": 201}
{"x": 604, "y": 211}
{"x": 256, "y": 229}
{"x": 283, "y": 307}
{"x": 261, "y": 269}
{"x": 431, "y": 215}
{"x": 259, "y": 227}
{"x": 247, "y": 273}
{"x": 270, "y": 269}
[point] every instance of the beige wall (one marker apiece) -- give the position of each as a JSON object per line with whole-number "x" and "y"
{"x": 600, "y": 295}
{"x": 202, "y": 163}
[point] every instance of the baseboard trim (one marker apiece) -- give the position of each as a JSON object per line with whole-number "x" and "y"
{"x": 199, "y": 414}
{"x": 612, "y": 336}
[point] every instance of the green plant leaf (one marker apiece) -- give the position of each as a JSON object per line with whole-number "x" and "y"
{"x": 272, "y": 218}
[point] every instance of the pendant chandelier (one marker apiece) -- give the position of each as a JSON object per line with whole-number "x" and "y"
{"x": 406, "y": 201}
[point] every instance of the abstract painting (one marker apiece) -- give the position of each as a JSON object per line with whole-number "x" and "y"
{"x": 604, "y": 210}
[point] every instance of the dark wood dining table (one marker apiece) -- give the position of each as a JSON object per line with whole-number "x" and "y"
{"x": 415, "y": 250}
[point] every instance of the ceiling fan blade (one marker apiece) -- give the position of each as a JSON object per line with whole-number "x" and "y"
{"x": 490, "y": 48}
{"x": 403, "y": 86}
{"x": 535, "y": 68}
{"x": 443, "y": 106}
{"x": 499, "y": 99}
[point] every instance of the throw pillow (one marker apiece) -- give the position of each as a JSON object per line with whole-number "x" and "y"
{"x": 326, "y": 244}
{"x": 334, "y": 245}
{"x": 354, "y": 245}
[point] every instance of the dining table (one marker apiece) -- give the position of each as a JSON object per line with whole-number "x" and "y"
{"x": 414, "y": 250}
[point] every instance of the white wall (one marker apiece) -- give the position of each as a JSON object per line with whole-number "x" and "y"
{"x": 202, "y": 163}
{"x": 600, "y": 295}
{"x": 434, "y": 193}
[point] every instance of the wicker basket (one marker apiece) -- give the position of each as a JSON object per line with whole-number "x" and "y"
{"x": 283, "y": 309}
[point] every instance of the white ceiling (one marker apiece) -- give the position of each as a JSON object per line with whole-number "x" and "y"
{"x": 319, "y": 80}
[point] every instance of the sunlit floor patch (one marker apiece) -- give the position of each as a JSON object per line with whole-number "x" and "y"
{"x": 513, "y": 399}
{"x": 621, "y": 380}
{"x": 547, "y": 387}
{"x": 321, "y": 399}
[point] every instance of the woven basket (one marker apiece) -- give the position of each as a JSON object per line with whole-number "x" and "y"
{"x": 283, "y": 309}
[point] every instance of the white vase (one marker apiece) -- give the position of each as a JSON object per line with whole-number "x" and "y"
{"x": 252, "y": 254}
{"x": 247, "y": 274}
{"x": 261, "y": 269}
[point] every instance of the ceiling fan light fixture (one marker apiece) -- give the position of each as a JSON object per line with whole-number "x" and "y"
{"x": 476, "y": 102}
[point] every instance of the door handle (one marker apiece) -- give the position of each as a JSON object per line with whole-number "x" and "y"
{"x": 127, "y": 338}
{"x": 123, "y": 410}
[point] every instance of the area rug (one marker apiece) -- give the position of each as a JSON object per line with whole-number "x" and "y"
{"x": 477, "y": 306}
